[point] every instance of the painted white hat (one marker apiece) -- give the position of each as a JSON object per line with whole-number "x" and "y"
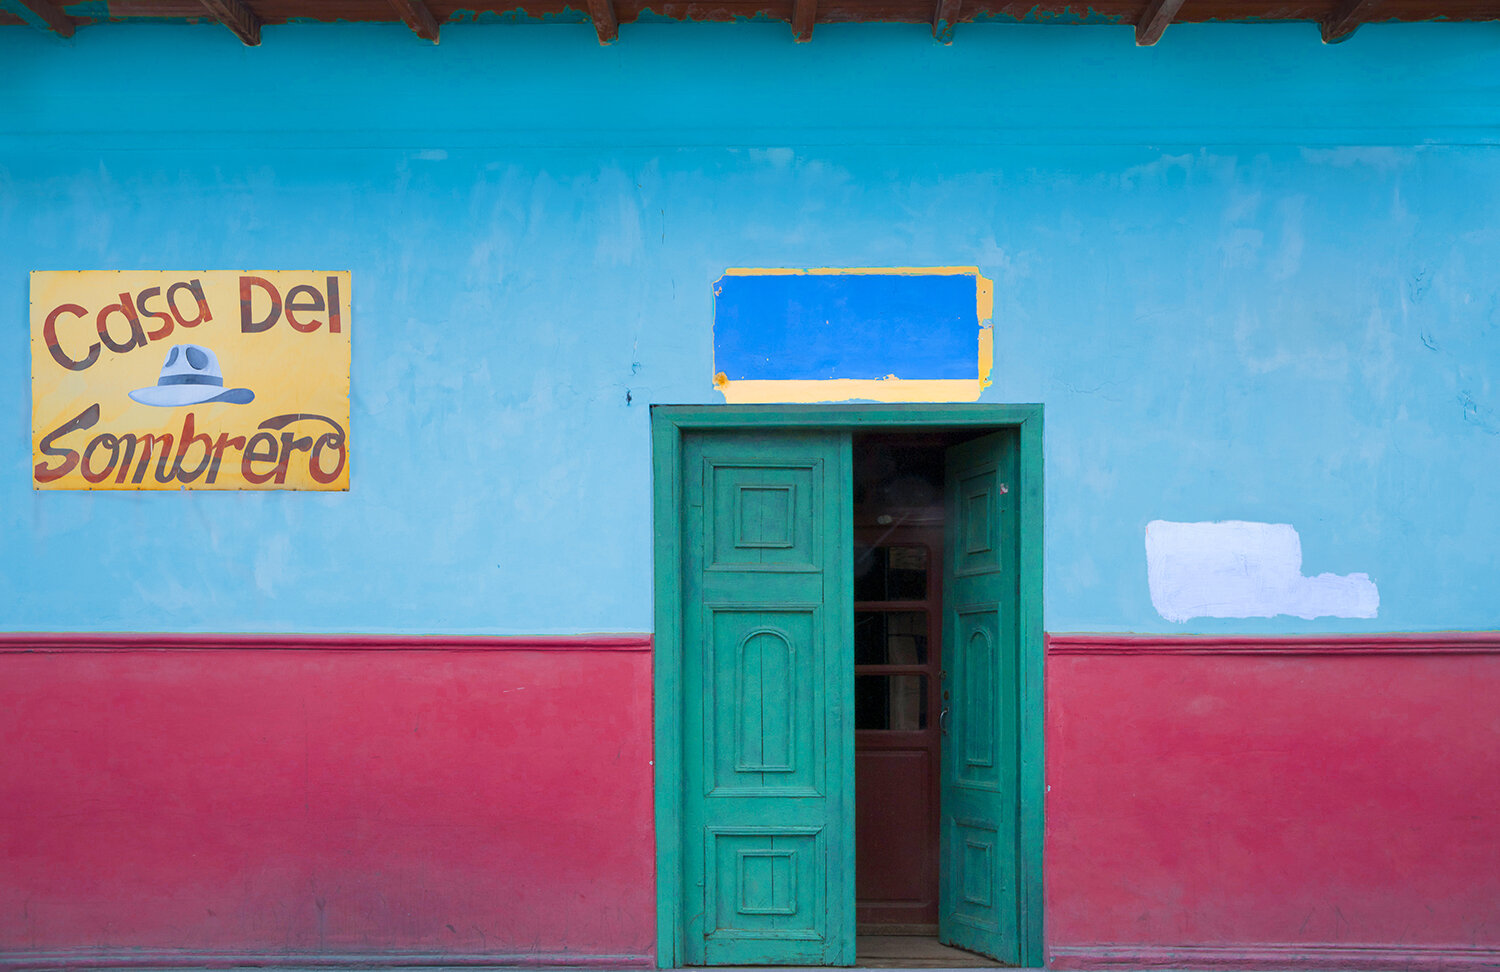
{"x": 191, "y": 376}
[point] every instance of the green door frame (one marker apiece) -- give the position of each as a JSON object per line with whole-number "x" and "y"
{"x": 668, "y": 424}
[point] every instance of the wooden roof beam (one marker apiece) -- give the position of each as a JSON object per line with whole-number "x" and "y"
{"x": 804, "y": 15}
{"x": 944, "y": 16}
{"x": 1154, "y": 20}
{"x": 1345, "y": 17}
{"x": 52, "y": 15}
{"x": 606, "y": 24}
{"x": 418, "y": 17}
{"x": 238, "y": 17}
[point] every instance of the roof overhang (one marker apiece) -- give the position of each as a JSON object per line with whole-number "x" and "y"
{"x": 1336, "y": 19}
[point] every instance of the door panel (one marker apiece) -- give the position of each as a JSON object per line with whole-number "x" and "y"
{"x": 768, "y": 868}
{"x": 979, "y": 908}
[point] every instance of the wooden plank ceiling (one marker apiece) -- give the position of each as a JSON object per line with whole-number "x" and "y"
{"x": 1337, "y": 19}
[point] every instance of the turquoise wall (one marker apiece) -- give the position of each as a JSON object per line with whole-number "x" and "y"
{"x": 1251, "y": 277}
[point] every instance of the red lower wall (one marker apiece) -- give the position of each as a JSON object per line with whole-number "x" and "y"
{"x": 1248, "y": 804}
{"x": 476, "y": 802}
{"x": 1274, "y": 803}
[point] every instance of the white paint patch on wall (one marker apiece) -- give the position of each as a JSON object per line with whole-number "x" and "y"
{"x": 1239, "y": 569}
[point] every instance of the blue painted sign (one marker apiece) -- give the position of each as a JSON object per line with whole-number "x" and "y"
{"x": 778, "y": 325}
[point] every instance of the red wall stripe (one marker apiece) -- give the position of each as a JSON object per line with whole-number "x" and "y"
{"x": 1445, "y": 642}
{"x": 1328, "y": 957}
{"x": 73, "y": 641}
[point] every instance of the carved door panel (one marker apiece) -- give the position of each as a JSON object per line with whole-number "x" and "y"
{"x": 978, "y": 907}
{"x": 768, "y": 855}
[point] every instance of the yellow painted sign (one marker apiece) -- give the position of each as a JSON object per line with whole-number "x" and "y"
{"x": 217, "y": 379}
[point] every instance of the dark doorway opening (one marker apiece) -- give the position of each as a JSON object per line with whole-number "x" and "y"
{"x": 900, "y": 707}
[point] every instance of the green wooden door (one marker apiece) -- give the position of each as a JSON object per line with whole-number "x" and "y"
{"x": 767, "y": 676}
{"x": 978, "y": 904}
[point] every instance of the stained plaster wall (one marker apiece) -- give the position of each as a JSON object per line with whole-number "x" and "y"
{"x": 1251, "y": 277}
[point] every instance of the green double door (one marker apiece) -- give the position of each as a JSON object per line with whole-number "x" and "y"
{"x": 768, "y": 693}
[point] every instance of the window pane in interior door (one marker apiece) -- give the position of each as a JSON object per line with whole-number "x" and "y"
{"x": 890, "y": 638}
{"x": 890, "y": 573}
{"x": 893, "y": 702}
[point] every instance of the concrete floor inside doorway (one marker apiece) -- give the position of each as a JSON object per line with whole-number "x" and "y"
{"x": 914, "y": 952}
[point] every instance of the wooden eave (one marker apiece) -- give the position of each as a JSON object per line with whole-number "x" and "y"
{"x": 1337, "y": 19}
